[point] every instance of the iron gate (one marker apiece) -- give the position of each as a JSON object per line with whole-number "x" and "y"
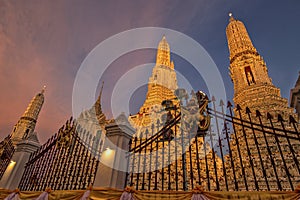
{"x": 64, "y": 162}
{"x": 248, "y": 151}
{"x": 6, "y": 152}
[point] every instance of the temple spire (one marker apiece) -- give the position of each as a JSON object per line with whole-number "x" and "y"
{"x": 98, "y": 107}
{"x": 253, "y": 88}
{"x": 161, "y": 86}
{"x": 35, "y": 106}
{"x": 238, "y": 38}
{"x": 26, "y": 124}
{"x": 163, "y": 53}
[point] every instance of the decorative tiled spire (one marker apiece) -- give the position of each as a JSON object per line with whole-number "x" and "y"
{"x": 161, "y": 86}
{"x": 35, "y": 106}
{"x": 98, "y": 108}
{"x": 26, "y": 124}
{"x": 238, "y": 38}
{"x": 247, "y": 67}
{"x": 253, "y": 87}
{"x": 163, "y": 53}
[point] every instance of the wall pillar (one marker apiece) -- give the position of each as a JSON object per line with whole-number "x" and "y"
{"x": 13, "y": 173}
{"x": 113, "y": 162}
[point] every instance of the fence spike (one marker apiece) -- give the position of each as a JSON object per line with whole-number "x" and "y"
{"x": 258, "y": 114}
{"x": 221, "y": 103}
{"x": 248, "y": 110}
{"x": 229, "y": 105}
{"x": 279, "y": 117}
{"x": 269, "y": 116}
{"x": 238, "y": 107}
{"x": 292, "y": 119}
{"x": 213, "y": 98}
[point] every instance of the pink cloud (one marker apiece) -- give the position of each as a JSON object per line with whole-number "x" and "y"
{"x": 45, "y": 43}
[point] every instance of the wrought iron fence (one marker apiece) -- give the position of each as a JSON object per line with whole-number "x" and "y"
{"x": 247, "y": 151}
{"x": 6, "y": 152}
{"x": 64, "y": 162}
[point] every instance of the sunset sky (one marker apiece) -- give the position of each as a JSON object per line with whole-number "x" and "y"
{"x": 45, "y": 42}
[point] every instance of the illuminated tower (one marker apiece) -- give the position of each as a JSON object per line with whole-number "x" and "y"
{"x": 161, "y": 85}
{"x": 150, "y": 120}
{"x": 252, "y": 85}
{"x": 25, "y": 142}
{"x": 24, "y": 128}
{"x": 253, "y": 88}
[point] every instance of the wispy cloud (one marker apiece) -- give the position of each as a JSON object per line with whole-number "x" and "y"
{"x": 45, "y": 43}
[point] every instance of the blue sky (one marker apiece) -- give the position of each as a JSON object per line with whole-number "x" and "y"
{"x": 45, "y": 42}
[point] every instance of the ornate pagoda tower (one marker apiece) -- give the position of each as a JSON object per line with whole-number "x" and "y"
{"x": 151, "y": 119}
{"x": 24, "y": 128}
{"x": 253, "y": 87}
{"x": 161, "y": 85}
{"x": 24, "y": 141}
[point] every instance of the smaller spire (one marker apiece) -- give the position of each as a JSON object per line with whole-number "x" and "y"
{"x": 101, "y": 89}
{"x": 98, "y": 108}
{"x": 163, "y": 52}
{"x": 98, "y": 102}
{"x": 163, "y": 44}
{"x": 26, "y": 124}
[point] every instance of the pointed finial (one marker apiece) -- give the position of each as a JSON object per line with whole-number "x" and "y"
{"x": 230, "y": 17}
{"x": 292, "y": 119}
{"x": 280, "y": 118}
{"x": 248, "y": 110}
{"x": 98, "y": 102}
{"x": 221, "y": 103}
{"x": 43, "y": 90}
{"x": 269, "y": 116}
{"x": 229, "y": 105}
{"x": 100, "y": 94}
{"x": 258, "y": 114}
{"x": 101, "y": 88}
{"x": 238, "y": 107}
{"x": 213, "y": 98}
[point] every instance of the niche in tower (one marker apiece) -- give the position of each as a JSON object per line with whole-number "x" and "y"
{"x": 249, "y": 75}
{"x": 26, "y": 134}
